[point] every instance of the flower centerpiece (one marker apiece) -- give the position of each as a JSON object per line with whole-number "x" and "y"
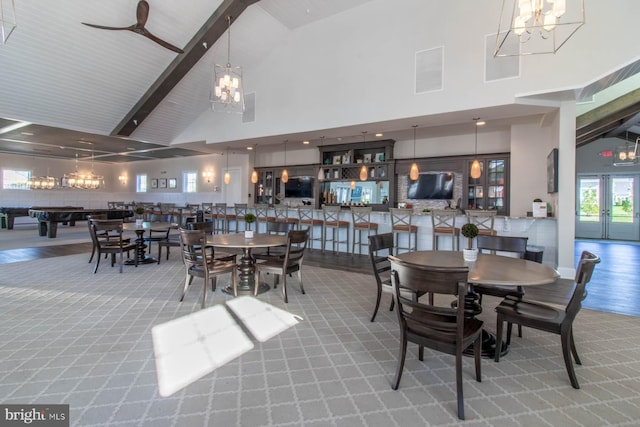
{"x": 139, "y": 211}
{"x": 249, "y": 219}
{"x": 470, "y": 231}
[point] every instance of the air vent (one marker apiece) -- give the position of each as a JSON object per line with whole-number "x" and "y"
{"x": 429, "y": 70}
{"x": 506, "y": 67}
{"x": 249, "y": 114}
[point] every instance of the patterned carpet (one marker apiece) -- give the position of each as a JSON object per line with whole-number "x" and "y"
{"x": 69, "y": 336}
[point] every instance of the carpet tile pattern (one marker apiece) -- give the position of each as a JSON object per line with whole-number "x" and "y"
{"x": 70, "y": 336}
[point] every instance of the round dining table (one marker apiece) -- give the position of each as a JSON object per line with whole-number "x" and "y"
{"x": 247, "y": 264}
{"x": 140, "y": 229}
{"x": 489, "y": 270}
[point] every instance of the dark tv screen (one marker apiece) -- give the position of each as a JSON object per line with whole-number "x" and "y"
{"x": 299, "y": 187}
{"x": 431, "y": 186}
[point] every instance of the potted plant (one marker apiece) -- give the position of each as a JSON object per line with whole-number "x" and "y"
{"x": 249, "y": 219}
{"x": 470, "y": 231}
{"x": 139, "y": 211}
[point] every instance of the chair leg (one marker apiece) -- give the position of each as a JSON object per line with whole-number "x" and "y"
{"x": 509, "y": 327}
{"x": 477, "y": 350}
{"x": 421, "y": 353}
{"x": 95, "y": 269}
{"x": 121, "y": 261}
{"x": 499, "y": 326}
{"x": 375, "y": 309}
{"x": 300, "y": 281}
{"x": 401, "y": 355}
{"x": 284, "y": 288}
{"x": 93, "y": 251}
{"x": 204, "y": 291}
{"x": 459, "y": 385}
{"x": 187, "y": 281}
{"x": 565, "y": 336}
{"x": 574, "y": 351}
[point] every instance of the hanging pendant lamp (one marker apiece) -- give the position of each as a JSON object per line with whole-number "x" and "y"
{"x": 414, "y": 172}
{"x": 321, "y": 171}
{"x": 254, "y": 174}
{"x": 227, "y": 176}
{"x": 476, "y": 170}
{"x": 364, "y": 171}
{"x": 285, "y": 174}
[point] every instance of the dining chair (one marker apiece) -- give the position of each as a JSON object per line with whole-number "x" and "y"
{"x": 483, "y": 219}
{"x": 94, "y": 244}
{"x": 275, "y": 228}
{"x": 441, "y": 328}
{"x": 402, "y": 223}
{"x": 286, "y": 266}
{"x": 208, "y": 228}
{"x": 514, "y": 246}
{"x": 443, "y": 222}
{"x": 157, "y": 235}
{"x": 361, "y": 221}
{"x": 548, "y": 318}
{"x": 107, "y": 236}
{"x": 198, "y": 264}
{"x": 380, "y": 247}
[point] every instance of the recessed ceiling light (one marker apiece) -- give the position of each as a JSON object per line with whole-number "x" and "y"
{"x": 84, "y": 142}
{"x": 379, "y": 135}
{"x": 26, "y": 133}
{"x": 249, "y": 148}
{"x": 305, "y": 142}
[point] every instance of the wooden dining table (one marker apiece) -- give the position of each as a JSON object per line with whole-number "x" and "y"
{"x": 247, "y": 264}
{"x": 489, "y": 270}
{"x": 140, "y": 229}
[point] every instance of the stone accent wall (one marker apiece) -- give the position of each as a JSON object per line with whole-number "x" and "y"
{"x": 419, "y": 204}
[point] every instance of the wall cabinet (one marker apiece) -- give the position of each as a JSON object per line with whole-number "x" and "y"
{"x": 491, "y": 190}
{"x": 342, "y": 168}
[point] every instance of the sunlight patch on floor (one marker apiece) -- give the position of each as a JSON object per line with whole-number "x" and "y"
{"x": 263, "y": 320}
{"x": 192, "y": 346}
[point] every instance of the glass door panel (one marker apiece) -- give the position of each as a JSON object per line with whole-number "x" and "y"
{"x": 622, "y": 221}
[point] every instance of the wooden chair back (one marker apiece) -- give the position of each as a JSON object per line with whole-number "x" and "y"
{"x": 493, "y": 244}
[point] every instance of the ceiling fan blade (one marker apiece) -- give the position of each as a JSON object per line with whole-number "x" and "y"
{"x": 102, "y": 27}
{"x": 142, "y": 13}
{"x": 161, "y": 42}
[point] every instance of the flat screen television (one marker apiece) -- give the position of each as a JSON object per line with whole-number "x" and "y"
{"x": 299, "y": 187}
{"x": 431, "y": 186}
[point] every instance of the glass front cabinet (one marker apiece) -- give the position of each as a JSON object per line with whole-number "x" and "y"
{"x": 491, "y": 190}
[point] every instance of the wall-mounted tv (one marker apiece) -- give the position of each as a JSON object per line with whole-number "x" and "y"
{"x": 299, "y": 187}
{"x": 431, "y": 186}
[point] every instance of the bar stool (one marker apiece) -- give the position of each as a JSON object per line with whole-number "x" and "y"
{"x": 221, "y": 218}
{"x": 484, "y": 220}
{"x": 282, "y": 215}
{"x": 444, "y": 224}
{"x": 240, "y": 209}
{"x": 361, "y": 220}
{"x": 305, "y": 217}
{"x": 262, "y": 216}
{"x": 332, "y": 221}
{"x": 401, "y": 223}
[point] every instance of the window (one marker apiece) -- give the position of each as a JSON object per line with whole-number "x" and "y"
{"x": 141, "y": 183}
{"x": 190, "y": 182}
{"x": 15, "y": 179}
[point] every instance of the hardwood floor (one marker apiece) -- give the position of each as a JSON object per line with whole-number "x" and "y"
{"x": 613, "y": 287}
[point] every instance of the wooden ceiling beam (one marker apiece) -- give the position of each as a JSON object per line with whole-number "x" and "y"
{"x": 209, "y": 33}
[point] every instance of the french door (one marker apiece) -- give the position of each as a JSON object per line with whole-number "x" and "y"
{"x": 607, "y": 207}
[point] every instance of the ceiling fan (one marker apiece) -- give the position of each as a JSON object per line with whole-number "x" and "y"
{"x": 142, "y": 14}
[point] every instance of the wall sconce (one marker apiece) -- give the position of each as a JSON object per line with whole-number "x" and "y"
{"x": 122, "y": 179}
{"x": 208, "y": 175}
